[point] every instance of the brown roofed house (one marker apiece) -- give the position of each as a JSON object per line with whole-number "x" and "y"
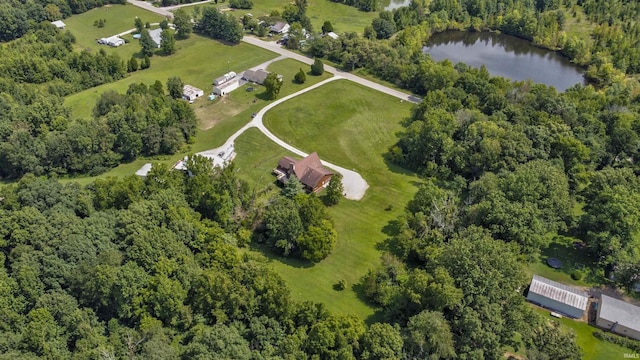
{"x": 309, "y": 171}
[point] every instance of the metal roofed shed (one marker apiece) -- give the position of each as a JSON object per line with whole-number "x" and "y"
{"x": 144, "y": 170}
{"x": 558, "y": 297}
{"x": 156, "y": 36}
{"x": 59, "y": 24}
{"x": 619, "y": 317}
{"x": 191, "y": 92}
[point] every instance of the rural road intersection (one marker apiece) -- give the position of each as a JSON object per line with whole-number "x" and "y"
{"x": 354, "y": 185}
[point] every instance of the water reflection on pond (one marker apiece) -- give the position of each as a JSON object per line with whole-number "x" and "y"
{"x": 507, "y": 56}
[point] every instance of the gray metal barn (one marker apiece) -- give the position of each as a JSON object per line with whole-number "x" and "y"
{"x": 619, "y": 317}
{"x": 558, "y": 297}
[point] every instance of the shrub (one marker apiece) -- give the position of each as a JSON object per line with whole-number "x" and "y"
{"x": 577, "y": 275}
{"x": 620, "y": 340}
{"x": 317, "y": 68}
{"x": 300, "y": 77}
{"x": 241, "y": 4}
{"x": 341, "y": 285}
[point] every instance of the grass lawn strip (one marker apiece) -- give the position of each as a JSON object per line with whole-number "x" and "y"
{"x": 592, "y": 347}
{"x": 237, "y": 107}
{"x": 351, "y": 126}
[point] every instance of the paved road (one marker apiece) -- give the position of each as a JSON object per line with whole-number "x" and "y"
{"x": 162, "y": 11}
{"x": 354, "y": 185}
{"x": 269, "y": 45}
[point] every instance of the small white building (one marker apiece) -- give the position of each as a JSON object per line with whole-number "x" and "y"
{"x": 558, "y": 297}
{"x": 333, "y": 35}
{"x": 618, "y": 317}
{"x": 113, "y": 41}
{"x": 144, "y": 170}
{"x": 280, "y": 27}
{"x": 191, "y": 92}
{"x": 224, "y": 78}
{"x": 156, "y": 36}
{"x": 226, "y": 87}
{"x": 59, "y": 24}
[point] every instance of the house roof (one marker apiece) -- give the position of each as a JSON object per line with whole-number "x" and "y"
{"x": 156, "y": 35}
{"x": 257, "y": 76}
{"x": 565, "y": 294}
{"x": 191, "y": 91}
{"x": 59, "y": 24}
{"x": 279, "y": 26}
{"x": 332, "y": 35}
{"x": 308, "y": 170}
{"x": 620, "y": 312}
{"x": 144, "y": 170}
{"x": 226, "y": 84}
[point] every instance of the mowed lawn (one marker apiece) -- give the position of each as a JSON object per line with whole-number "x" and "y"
{"x": 218, "y": 119}
{"x": 351, "y": 126}
{"x": 592, "y": 347}
{"x": 344, "y": 18}
{"x": 197, "y": 61}
{"x": 119, "y": 18}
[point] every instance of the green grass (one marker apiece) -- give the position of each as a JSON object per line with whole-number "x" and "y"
{"x": 197, "y": 61}
{"x": 573, "y": 258}
{"x": 119, "y": 18}
{"x": 351, "y": 126}
{"x": 219, "y": 119}
{"x": 592, "y": 347}
{"x": 344, "y": 18}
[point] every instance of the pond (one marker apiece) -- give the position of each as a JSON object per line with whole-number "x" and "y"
{"x": 506, "y": 56}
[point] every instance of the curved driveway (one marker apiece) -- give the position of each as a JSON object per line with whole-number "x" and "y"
{"x": 354, "y": 185}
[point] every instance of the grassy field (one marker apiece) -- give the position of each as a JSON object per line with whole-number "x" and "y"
{"x": 119, "y": 18}
{"x": 344, "y": 18}
{"x": 217, "y": 119}
{"x": 197, "y": 61}
{"x": 592, "y": 347}
{"x": 354, "y": 130}
{"x": 573, "y": 258}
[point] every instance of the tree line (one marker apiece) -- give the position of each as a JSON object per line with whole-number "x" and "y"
{"x": 504, "y": 165}
{"x": 41, "y": 138}
{"x": 154, "y": 267}
{"x": 609, "y": 51}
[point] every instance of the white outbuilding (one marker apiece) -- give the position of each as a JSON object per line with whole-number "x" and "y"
{"x": 191, "y": 92}
{"x": 59, "y": 24}
{"x": 619, "y": 317}
{"x": 113, "y": 41}
{"x": 558, "y": 297}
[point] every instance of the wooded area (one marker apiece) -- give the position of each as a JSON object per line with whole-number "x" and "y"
{"x": 158, "y": 267}
{"x": 610, "y": 51}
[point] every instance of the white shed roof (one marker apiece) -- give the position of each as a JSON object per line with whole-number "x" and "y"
{"x": 59, "y": 24}
{"x": 623, "y": 313}
{"x": 144, "y": 170}
{"x": 565, "y": 294}
{"x": 156, "y": 36}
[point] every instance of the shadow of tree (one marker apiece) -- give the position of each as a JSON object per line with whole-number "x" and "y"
{"x": 273, "y": 255}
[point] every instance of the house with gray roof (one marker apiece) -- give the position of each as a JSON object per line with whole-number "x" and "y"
{"x": 156, "y": 36}
{"x": 558, "y": 297}
{"x": 619, "y": 317}
{"x": 257, "y": 76}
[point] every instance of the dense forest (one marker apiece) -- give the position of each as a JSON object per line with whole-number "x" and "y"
{"x": 609, "y": 51}
{"x": 504, "y": 164}
{"x": 160, "y": 267}
{"x": 18, "y": 17}
{"x": 155, "y": 268}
